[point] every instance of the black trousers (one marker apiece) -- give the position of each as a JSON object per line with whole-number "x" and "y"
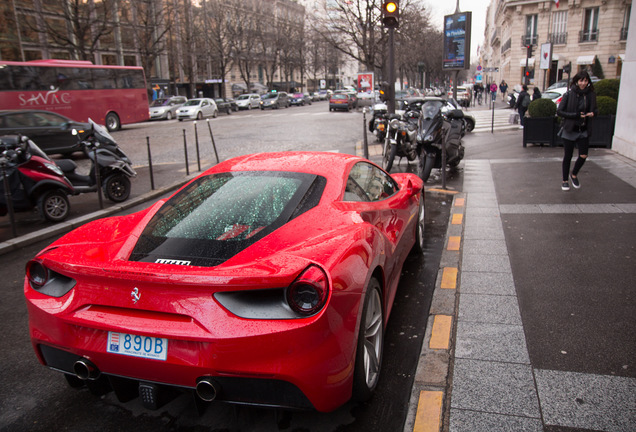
{"x": 583, "y": 145}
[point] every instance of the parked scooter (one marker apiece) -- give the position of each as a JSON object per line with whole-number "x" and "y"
{"x": 401, "y": 138}
{"x": 115, "y": 169}
{"x": 379, "y": 121}
{"x": 439, "y": 128}
{"x": 29, "y": 179}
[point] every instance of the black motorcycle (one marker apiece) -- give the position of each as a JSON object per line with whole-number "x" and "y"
{"x": 379, "y": 121}
{"x": 439, "y": 128}
{"x": 401, "y": 138}
{"x": 115, "y": 169}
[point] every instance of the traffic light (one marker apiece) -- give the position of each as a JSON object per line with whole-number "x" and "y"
{"x": 390, "y": 14}
{"x": 384, "y": 91}
{"x": 529, "y": 48}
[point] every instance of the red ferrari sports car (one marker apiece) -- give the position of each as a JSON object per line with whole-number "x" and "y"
{"x": 266, "y": 280}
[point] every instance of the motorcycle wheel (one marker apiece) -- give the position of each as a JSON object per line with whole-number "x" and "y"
{"x": 470, "y": 125}
{"x": 390, "y": 150}
{"x": 426, "y": 166}
{"x": 53, "y": 205}
{"x": 117, "y": 188}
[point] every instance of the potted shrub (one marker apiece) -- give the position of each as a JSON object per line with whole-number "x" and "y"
{"x": 540, "y": 123}
{"x": 606, "y": 100}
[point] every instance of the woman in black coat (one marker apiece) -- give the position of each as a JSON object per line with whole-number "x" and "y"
{"x": 578, "y": 108}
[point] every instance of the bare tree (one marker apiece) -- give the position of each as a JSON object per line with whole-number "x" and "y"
{"x": 217, "y": 36}
{"x": 148, "y": 22}
{"x": 76, "y": 25}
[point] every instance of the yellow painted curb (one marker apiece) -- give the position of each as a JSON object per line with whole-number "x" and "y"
{"x": 457, "y": 219}
{"x": 453, "y": 243}
{"x": 429, "y": 411}
{"x": 440, "y": 334}
{"x": 449, "y": 278}
{"x": 459, "y": 202}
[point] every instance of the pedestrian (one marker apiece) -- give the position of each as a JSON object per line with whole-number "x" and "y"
{"x": 536, "y": 93}
{"x": 523, "y": 100}
{"x": 578, "y": 108}
{"x": 503, "y": 89}
{"x": 493, "y": 92}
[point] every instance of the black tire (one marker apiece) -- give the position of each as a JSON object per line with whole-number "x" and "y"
{"x": 426, "y": 165}
{"x": 112, "y": 122}
{"x": 370, "y": 345}
{"x": 169, "y": 116}
{"x": 215, "y": 114}
{"x": 117, "y": 188}
{"x": 470, "y": 125}
{"x": 53, "y": 205}
{"x": 199, "y": 115}
{"x": 229, "y": 111}
{"x": 390, "y": 151}
{"x": 420, "y": 239}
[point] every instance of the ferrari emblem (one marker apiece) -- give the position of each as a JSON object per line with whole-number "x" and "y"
{"x": 135, "y": 295}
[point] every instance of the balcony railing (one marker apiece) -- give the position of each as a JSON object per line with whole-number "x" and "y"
{"x": 588, "y": 35}
{"x": 624, "y": 32}
{"x": 529, "y": 39}
{"x": 558, "y": 38}
{"x": 506, "y": 45}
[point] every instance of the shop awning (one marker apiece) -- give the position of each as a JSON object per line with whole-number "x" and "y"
{"x": 585, "y": 60}
{"x": 522, "y": 62}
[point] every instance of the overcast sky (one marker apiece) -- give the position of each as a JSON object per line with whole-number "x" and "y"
{"x": 477, "y": 7}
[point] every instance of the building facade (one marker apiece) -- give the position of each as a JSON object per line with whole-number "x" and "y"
{"x": 538, "y": 42}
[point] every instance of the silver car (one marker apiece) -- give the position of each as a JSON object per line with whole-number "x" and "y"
{"x": 248, "y": 101}
{"x": 196, "y": 109}
{"x": 166, "y": 108}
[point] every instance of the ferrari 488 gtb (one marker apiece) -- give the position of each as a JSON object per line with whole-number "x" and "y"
{"x": 266, "y": 280}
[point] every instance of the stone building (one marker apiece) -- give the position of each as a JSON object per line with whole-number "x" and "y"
{"x": 578, "y": 34}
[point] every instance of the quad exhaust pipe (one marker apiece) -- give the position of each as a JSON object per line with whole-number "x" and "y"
{"x": 84, "y": 369}
{"x": 207, "y": 389}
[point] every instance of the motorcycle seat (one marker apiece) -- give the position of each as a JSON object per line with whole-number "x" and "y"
{"x": 66, "y": 165}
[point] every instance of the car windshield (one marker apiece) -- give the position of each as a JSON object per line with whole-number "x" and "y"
{"x": 193, "y": 102}
{"x": 339, "y": 96}
{"x": 550, "y": 95}
{"x": 243, "y": 97}
{"x": 270, "y": 96}
{"x": 159, "y": 102}
{"x": 217, "y": 216}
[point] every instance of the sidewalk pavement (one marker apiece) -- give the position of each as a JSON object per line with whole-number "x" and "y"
{"x": 532, "y": 322}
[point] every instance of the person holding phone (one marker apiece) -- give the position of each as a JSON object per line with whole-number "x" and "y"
{"x": 577, "y": 108}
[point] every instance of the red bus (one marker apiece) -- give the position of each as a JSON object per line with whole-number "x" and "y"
{"x": 110, "y": 95}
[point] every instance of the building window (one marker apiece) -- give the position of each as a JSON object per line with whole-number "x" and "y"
{"x": 559, "y": 35}
{"x": 625, "y": 28}
{"x": 590, "y": 26}
{"x": 530, "y": 37}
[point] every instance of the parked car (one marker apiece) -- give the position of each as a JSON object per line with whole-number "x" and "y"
{"x": 353, "y": 95}
{"x": 340, "y": 101}
{"x": 166, "y": 108}
{"x": 225, "y": 105}
{"x": 196, "y": 109}
{"x": 300, "y": 99}
{"x": 49, "y": 130}
{"x": 463, "y": 96}
{"x": 268, "y": 280}
{"x": 275, "y": 100}
{"x": 248, "y": 101}
{"x": 315, "y": 96}
{"x": 323, "y": 94}
{"x": 555, "y": 94}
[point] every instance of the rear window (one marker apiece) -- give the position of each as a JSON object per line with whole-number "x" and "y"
{"x": 217, "y": 216}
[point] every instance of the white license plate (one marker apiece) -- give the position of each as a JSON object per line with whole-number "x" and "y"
{"x": 137, "y": 346}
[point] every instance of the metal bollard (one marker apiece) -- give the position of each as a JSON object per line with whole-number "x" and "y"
{"x": 196, "y": 140}
{"x": 8, "y": 197}
{"x": 364, "y": 130}
{"x": 213, "y": 143}
{"x": 185, "y": 151}
{"x": 152, "y": 177}
{"x": 98, "y": 179}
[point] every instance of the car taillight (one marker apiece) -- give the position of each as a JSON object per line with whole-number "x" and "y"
{"x": 37, "y": 274}
{"x": 558, "y": 100}
{"x": 309, "y": 292}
